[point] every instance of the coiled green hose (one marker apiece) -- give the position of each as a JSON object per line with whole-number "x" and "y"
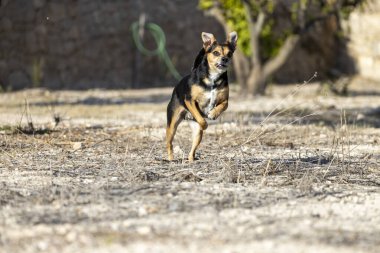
{"x": 160, "y": 51}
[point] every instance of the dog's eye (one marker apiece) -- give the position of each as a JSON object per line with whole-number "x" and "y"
{"x": 229, "y": 54}
{"x": 216, "y": 53}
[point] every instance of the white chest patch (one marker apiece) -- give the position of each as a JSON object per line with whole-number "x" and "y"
{"x": 212, "y": 96}
{"x": 213, "y": 76}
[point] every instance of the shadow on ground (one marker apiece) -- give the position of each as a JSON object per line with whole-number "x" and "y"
{"x": 157, "y": 99}
{"x": 333, "y": 118}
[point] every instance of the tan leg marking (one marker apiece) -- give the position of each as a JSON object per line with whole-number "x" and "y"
{"x": 215, "y": 113}
{"x": 191, "y": 106}
{"x": 222, "y": 99}
{"x": 197, "y": 138}
{"x": 171, "y": 130}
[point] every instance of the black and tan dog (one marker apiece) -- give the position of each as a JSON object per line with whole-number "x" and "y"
{"x": 202, "y": 94}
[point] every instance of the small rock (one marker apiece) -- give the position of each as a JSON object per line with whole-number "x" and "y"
{"x": 360, "y": 116}
{"x": 178, "y": 151}
{"x": 71, "y": 236}
{"x": 42, "y": 245}
{"x": 144, "y": 230}
{"x": 77, "y": 145}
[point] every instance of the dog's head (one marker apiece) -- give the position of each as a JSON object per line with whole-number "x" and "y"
{"x": 219, "y": 56}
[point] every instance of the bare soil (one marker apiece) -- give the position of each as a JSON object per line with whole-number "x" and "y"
{"x": 281, "y": 173}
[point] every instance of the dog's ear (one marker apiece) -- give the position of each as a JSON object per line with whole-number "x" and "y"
{"x": 208, "y": 39}
{"x": 199, "y": 59}
{"x": 232, "y": 39}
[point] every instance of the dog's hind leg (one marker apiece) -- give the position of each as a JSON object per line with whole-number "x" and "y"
{"x": 174, "y": 118}
{"x": 197, "y": 138}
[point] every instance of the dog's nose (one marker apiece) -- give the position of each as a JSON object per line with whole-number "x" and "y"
{"x": 224, "y": 59}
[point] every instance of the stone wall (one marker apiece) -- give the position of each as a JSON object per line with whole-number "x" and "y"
{"x": 87, "y": 44}
{"x": 80, "y": 44}
{"x": 364, "y": 45}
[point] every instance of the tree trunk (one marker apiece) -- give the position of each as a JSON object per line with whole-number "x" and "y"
{"x": 241, "y": 68}
{"x": 257, "y": 81}
{"x": 258, "y": 78}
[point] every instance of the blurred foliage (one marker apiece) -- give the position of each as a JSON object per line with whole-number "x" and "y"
{"x": 235, "y": 16}
{"x": 301, "y": 13}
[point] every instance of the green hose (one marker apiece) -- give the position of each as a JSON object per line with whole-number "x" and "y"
{"x": 160, "y": 51}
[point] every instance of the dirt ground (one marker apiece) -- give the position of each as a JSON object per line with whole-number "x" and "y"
{"x": 295, "y": 171}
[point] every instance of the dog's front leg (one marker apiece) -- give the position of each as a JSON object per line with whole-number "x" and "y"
{"x": 192, "y": 107}
{"x": 215, "y": 113}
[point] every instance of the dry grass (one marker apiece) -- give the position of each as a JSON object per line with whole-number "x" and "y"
{"x": 304, "y": 179}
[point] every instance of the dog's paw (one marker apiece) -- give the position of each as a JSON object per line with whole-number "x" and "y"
{"x": 212, "y": 115}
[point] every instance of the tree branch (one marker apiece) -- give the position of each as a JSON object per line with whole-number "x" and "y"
{"x": 218, "y": 15}
{"x": 260, "y": 22}
{"x": 275, "y": 63}
{"x": 254, "y": 32}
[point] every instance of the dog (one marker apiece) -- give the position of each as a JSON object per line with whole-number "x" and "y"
{"x": 204, "y": 93}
